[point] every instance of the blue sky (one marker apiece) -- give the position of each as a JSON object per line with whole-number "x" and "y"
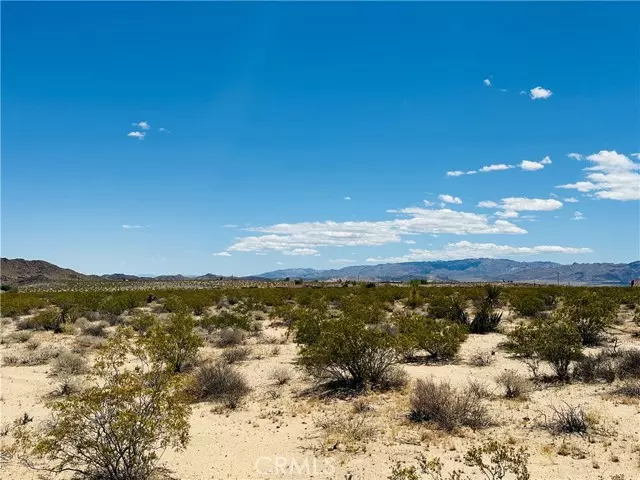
{"x": 318, "y": 135}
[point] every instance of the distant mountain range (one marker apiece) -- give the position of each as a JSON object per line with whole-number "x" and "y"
{"x": 476, "y": 270}
{"x": 21, "y": 272}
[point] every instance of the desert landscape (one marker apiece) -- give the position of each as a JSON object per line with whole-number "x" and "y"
{"x": 359, "y": 381}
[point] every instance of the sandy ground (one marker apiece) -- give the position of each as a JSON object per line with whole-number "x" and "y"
{"x": 283, "y": 432}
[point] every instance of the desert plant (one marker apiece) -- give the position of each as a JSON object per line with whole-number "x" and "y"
{"x": 229, "y": 337}
{"x": 439, "y": 338}
{"x": 48, "y": 319}
{"x": 350, "y": 352}
{"x": 485, "y": 319}
{"x": 447, "y": 406}
{"x": 174, "y": 343}
{"x": 591, "y": 314}
{"x": 117, "y": 427}
{"x": 591, "y": 368}
{"x": 555, "y": 341}
{"x": 235, "y": 355}
{"x": 513, "y": 384}
{"x": 569, "y": 419}
{"x": 630, "y": 388}
{"x": 218, "y": 382}
{"x": 628, "y": 364}
{"x": 142, "y": 322}
{"x": 481, "y": 358}
{"x": 281, "y": 376}
{"x": 95, "y": 329}
{"x": 67, "y": 363}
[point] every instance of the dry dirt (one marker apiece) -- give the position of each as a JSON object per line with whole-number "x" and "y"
{"x": 284, "y": 432}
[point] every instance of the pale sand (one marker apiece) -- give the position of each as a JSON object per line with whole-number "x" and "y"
{"x": 275, "y": 434}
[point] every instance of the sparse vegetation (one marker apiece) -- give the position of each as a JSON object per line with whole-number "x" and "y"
{"x": 218, "y": 382}
{"x": 513, "y": 384}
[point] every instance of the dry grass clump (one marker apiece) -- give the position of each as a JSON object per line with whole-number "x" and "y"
{"x": 513, "y": 384}
{"x": 346, "y": 432}
{"x": 481, "y": 358}
{"x": 218, "y": 382}
{"x": 281, "y": 376}
{"x": 87, "y": 342}
{"x": 592, "y": 368}
{"x": 230, "y": 337}
{"x": 569, "y": 419}
{"x": 629, "y": 364}
{"x": 19, "y": 337}
{"x": 630, "y": 388}
{"x": 446, "y": 406}
{"x": 95, "y": 329}
{"x": 41, "y": 356}
{"x": 235, "y": 355}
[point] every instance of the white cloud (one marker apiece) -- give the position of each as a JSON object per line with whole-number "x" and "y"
{"x": 229, "y": 225}
{"x": 142, "y": 125}
{"x": 636, "y": 155}
{"x": 487, "y": 82}
{"x": 531, "y": 166}
{"x": 128, "y": 227}
{"x": 300, "y": 252}
{"x": 471, "y": 172}
{"x": 138, "y": 135}
{"x": 222, "y": 254}
{"x": 409, "y": 242}
{"x": 575, "y": 156}
{"x": 496, "y": 168}
{"x": 613, "y": 176}
{"x": 279, "y": 263}
{"x": 465, "y": 249}
{"x": 342, "y": 260}
{"x": 450, "y": 199}
{"x": 260, "y": 254}
{"x": 347, "y": 198}
{"x": 539, "y": 93}
{"x": 287, "y": 237}
{"x": 577, "y": 216}
{"x": 427, "y": 203}
{"x": 487, "y": 204}
{"x": 571, "y": 200}
{"x": 162, "y": 129}
{"x": 455, "y": 173}
{"x": 546, "y": 160}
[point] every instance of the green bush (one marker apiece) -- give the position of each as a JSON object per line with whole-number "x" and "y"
{"x": 225, "y": 320}
{"x": 528, "y": 305}
{"x": 116, "y": 428}
{"x": 555, "y": 341}
{"x": 175, "y": 343}
{"x": 591, "y": 314}
{"x": 485, "y": 319}
{"x": 440, "y": 338}
{"x": 49, "y": 319}
{"x": 348, "y": 351}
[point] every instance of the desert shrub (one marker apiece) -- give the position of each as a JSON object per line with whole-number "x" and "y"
{"x": 68, "y": 363}
{"x": 21, "y": 336}
{"x": 96, "y": 329}
{"x": 513, "y": 384}
{"x": 554, "y": 341}
{"x": 14, "y": 304}
{"x": 32, "y": 344}
{"x": 440, "y": 338}
{"x": 218, "y": 382}
{"x": 414, "y": 299}
{"x": 48, "y": 319}
{"x": 349, "y": 351}
{"x": 174, "y": 343}
{"x": 446, "y": 406}
{"x": 481, "y": 358}
{"x": 630, "y": 388}
{"x": 281, "y": 376}
{"x": 527, "y": 305}
{"x": 494, "y": 459}
{"x": 230, "y": 337}
{"x": 41, "y": 356}
{"x": 394, "y": 378}
{"x": 68, "y": 385}
{"x": 628, "y": 364}
{"x": 142, "y": 321}
{"x": 591, "y": 368}
{"x": 569, "y": 419}
{"x": 450, "y": 308}
{"x": 591, "y": 314}
{"x": 86, "y": 342}
{"x": 235, "y": 354}
{"x": 115, "y": 429}
{"x": 225, "y": 320}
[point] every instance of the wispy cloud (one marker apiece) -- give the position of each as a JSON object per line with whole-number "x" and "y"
{"x": 487, "y": 82}
{"x": 347, "y": 198}
{"x": 128, "y": 227}
{"x": 138, "y": 135}
{"x": 539, "y": 93}
{"x": 465, "y": 249}
{"x": 142, "y": 125}
{"x": 164, "y": 130}
{"x": 613, "y": 176}
{"x": 450, "y": 199}
{"x": 575, "y": 156}
{"x": 532, "y": 166}
{"x": 301, "y": 252}
{"x": 577, "y": 216}
{"x": 571, "y": 200}
{"x": 229, "y": 225}
{"x": 496, "y": 167}
{"x": 509, "y": 207}
{"x": 222, "y": 254}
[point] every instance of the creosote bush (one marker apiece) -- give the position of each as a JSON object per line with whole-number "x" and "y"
{"x": 440, "y": 339}
{"x": 116, "y": 428}
{"x": 68, "y": 363}
{"x": 446, "y": 406}
{"x": 175, "y": 342}
{"x": 235, "y": 355}
{"x": 348, "y": 351}
{"x": 591, "y": 314}
{"x": 513, "y": 384}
